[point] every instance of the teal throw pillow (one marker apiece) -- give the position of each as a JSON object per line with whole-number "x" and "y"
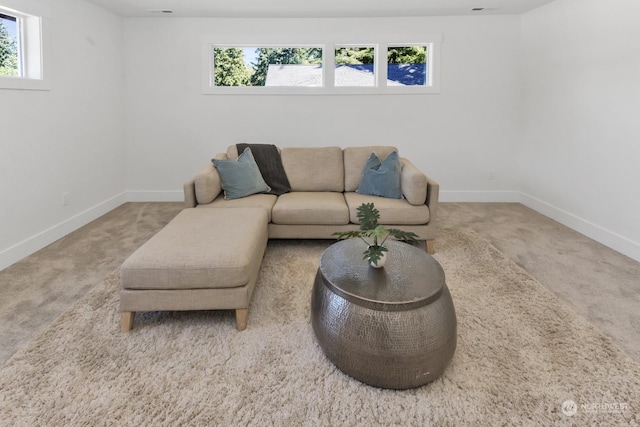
{"x": 240, "y": 178}
{"x": 382, "y": 178}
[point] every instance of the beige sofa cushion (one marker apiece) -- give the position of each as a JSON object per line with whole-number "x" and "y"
{"x": 314, "y": 169}
{"x": 200, "y": 249}
{"x": 355, "y": 158}
{"x": 310, "y": 208}
{"x": 392, "y": 211}
{"x": 264, "y": 201}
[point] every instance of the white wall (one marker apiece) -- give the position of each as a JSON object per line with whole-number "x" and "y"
{"x": 457, "y": 136}
{"x": 580, "y": 151}
{"x": 69, "y": 139}
{"x": 547, "y": 101}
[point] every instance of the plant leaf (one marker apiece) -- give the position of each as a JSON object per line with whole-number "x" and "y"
{"x": 368, "y": 216}
{"x": 379, "y": 232}
{"x": 407, "y": 236}
{"x": 374, "y": 253}
{"x": 347, "y": 234}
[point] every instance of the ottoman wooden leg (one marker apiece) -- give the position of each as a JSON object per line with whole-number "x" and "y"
{"x": 241, "y": 318}
{"x": 126, "y": 320}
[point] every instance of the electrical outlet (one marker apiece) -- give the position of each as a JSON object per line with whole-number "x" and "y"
{"x": 65, "y": 199}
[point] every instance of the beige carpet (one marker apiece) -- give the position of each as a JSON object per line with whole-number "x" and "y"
{"x": 520, "y": 355}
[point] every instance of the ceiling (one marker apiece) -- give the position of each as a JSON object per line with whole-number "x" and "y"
{"x": 316, "y": 9}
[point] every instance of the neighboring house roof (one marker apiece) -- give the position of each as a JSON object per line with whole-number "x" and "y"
{"x": 294, "y": 75}
{"x": 345, "y": 75}
{"x": 355, "y": 75}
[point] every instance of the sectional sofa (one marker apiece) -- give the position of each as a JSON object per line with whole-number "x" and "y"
{"x": 323, "y": 197}
{"x": 208, "y": 257}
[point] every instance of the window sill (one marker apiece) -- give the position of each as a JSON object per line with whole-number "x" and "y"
{"x": 21, "y": 83}
{"x": 273, "y": 90}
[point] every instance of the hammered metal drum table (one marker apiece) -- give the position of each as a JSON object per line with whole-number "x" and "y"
{"x": 392, "y": 327}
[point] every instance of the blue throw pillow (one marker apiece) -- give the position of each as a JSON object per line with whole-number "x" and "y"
{"x": 240, "y": 178}
{"x": 382, "y": 178}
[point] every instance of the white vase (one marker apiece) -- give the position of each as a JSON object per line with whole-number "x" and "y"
{"x": 380, "y": 262}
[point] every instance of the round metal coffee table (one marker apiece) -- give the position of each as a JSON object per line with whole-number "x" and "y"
{"x": 392, "y": 327}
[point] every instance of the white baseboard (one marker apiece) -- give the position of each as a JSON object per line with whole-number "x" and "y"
{"x": 607, "y": 237}
{"x": 155, "y": 196}
{"x": 44, "y": 238}
{"x": 33, "y": 244}
{"x": 480, "y": 196}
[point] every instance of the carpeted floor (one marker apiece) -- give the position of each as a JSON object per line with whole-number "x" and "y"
{"x": 521, "y": 354}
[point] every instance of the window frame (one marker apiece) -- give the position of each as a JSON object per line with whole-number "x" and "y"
{"x": 266, "y": 89}
{"x": 30, "y": 31}
{"x": 432, "y": 42}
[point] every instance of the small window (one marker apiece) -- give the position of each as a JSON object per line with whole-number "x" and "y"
{"x": 355, "y": 66}
{"x": 10, "y": 48}
{"x": 407, "y": 66}
{"x": 21, "y": 51}
{"x": 267, "y": 66}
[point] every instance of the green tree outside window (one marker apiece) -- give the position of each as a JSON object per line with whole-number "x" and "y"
{"x": 407, "y": 55}
{"x": 8, "y": 53}
{"x": 284, "y": 55}
{"x": 229, "y": 67}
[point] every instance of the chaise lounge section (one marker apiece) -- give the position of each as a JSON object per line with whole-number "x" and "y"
{"x": 202, "y": 260}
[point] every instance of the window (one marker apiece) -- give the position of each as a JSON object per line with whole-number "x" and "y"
{"x": 355, "y": 66}
{"x": 368, "y": 68}
{"x": 10, "y": 47}
{"x": 407, "y": 66}
{"x": 21, "y": 52}
{"x": 267, "y": 66}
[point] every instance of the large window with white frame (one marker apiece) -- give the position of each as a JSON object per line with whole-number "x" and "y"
{"x": 21, "y": 51}
{"x": 266, "y": 66}
{"x": 323, "y": 69}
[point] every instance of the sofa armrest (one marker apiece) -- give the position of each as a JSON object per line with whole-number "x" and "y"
{"x": 433, "y": 193}
{"x": 413, "y": 183}
{"x": 189, "y": 188}
{"x": 208, "y": 185}
{"x": 204, "y": 187}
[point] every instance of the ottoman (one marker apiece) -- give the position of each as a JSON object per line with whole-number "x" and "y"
{"x": 204, "y": 259}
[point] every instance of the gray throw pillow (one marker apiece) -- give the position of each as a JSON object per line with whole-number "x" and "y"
{"x": 240, "y": 178}
{"x": 382, "y": 178}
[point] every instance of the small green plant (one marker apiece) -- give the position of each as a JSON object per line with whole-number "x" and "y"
{"x": 374, "y": 234}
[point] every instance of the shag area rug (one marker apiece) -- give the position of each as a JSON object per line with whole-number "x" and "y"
{"x": 523, "y": 358}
